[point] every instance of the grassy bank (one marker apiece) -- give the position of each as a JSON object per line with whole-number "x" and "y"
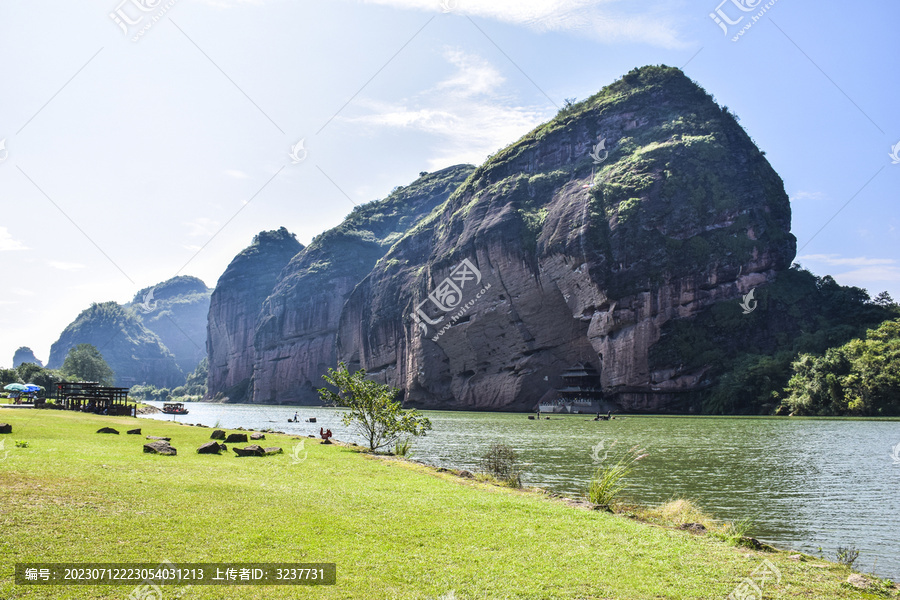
{"x": 395, "y": 529}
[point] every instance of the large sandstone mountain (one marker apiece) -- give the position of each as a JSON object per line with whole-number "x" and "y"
{"x": 234, "y": 309}
{"x": 645, "y": 203}
{"x": 608, "y": 235}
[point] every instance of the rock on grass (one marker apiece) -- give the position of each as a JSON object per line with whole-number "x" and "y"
{"x": 160, "y": 447}
{"x": 210, "y": 448}
{"x": 252, "y": 450}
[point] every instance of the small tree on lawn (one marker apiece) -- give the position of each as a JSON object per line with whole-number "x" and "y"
{"x": 373, "y": 411}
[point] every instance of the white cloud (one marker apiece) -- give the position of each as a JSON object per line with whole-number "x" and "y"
{"x": 64, "y": 266}
{"x": 465, "y": 112}
{"x": 862, "y": 271}
{"x": 8, "y": 243}
{"x": 647, "y": 22}
{"x": 804, "y": 195}
{"x": 202, "y": 226}
{"x": 838, "y": 260}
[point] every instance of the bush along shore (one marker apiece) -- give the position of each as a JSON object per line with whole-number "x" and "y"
{"x": 393, "y": 527}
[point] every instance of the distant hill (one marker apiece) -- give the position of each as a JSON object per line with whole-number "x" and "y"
{"x": 176, "y": 311}
{"x": 134, "y": 353}
{"x": 155, "y": 339}
{"x": 25, "y": 355}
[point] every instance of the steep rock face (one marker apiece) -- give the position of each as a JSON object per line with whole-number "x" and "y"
{"x": 577, "y": 250}
{"x": 176, "y": 311}
{"x": 135, "y": 354}
{"x": 297, "y": 326}
{"x": 25, "y": 355}
{"x": 234, "y": 307}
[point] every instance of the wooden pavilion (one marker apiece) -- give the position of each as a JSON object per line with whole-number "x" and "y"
{"x": 90, "y": 396}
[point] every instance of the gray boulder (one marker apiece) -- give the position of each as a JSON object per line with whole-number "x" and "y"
{"x": 236, "y": 438}
{"x": 218, "y": 434}
{"x": 209, "y": 448}
{"x": 160, "y": 447}
{"x": 257, "y": 436}
{"x": 5, "y": 428}
{"x": 134, "y": 431}
{"x": 253, "y": 450}
{"x": 274, "y": 450}
{"x": 107, "y": 430}
{"x": 156, "y": 437}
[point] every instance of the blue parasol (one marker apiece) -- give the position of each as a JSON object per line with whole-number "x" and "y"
{"x": 30, "y": 387}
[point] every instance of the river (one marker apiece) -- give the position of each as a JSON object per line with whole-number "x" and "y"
{"x": 805, "y": 483}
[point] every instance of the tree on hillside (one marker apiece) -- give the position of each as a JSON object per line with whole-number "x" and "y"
{"x": 862, "y": 377}
{"x": 373, "y": 411}
{"x": 85, "y": 362}
{"x": 195, "y": 383}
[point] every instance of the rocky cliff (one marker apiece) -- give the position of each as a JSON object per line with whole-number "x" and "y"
{"x": 645, "y": 204}
{"x": 297, "y": 327}
{"x": 234, "y": 308}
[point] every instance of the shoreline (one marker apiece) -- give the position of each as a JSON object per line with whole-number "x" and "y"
{"x": 383, "y": 514}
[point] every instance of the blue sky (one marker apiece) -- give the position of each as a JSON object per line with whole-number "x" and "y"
{"x": 128, "y": 159}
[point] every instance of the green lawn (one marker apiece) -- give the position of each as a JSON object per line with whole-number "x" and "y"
{"x": 395, "y": 529}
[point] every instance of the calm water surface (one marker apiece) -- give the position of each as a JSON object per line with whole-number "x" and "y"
{"x": 805, "y": 483}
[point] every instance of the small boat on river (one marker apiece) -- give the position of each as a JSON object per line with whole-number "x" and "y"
{"x": 174, "y": 408}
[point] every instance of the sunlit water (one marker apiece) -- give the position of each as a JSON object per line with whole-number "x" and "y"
{"x": 805, "y": 483}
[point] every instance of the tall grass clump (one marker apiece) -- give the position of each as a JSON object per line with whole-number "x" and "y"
{"x": 608, "y": 480}
{"x": 500, "y": 461}
{"x": 847, "y": 556}
{"x": 402, "y": 447}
